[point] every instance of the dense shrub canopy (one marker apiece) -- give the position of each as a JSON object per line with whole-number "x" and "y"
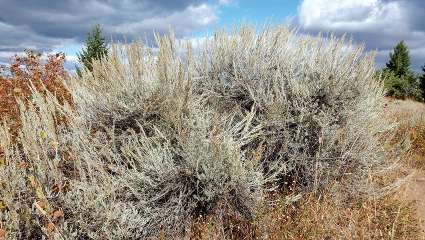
{"x": 401, "y": 87}
{"x": 155, "y": 139}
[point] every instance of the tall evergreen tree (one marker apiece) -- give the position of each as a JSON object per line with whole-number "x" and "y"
{"x": 95, "y": 48}
{"x": 400, "y": 81}
{"x": 422, "y": 82}
{"x": 399, "y": 62}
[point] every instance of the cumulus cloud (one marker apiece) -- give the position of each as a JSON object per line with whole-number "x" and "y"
{"x": 352, "y": 15}
{"x": 50, "y": 24}
{"x": 380, "y": 24}
{"x": 183, "y": 22}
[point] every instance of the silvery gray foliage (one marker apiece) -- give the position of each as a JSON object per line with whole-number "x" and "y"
{"x": 315, "y": 97}
{"x": 154, "y": 140}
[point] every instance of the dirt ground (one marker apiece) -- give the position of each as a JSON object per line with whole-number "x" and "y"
{"x": 412, "y": 113}
{"x": 416, "y": 192}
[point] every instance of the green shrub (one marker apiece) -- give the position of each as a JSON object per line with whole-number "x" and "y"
{"x": 400, "y": 81}
{"x": 401, "y": 87}
{"x": 422, "y": 82}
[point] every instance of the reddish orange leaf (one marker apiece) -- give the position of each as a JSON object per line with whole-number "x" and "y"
{"x": 57, "y": 214}
{"x": 50, "y": 227}
{"x": 23, "y": 165}
{"x": 2, "y": 234}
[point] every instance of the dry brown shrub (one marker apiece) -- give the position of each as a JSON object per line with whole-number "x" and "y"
{"x": 24, "y": 73}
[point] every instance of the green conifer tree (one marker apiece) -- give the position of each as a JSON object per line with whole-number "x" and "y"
{"x": 400, "y": 81}
{"x": 95, "y": 49}
{"x": 399, "y": 62}
{"x": 422, "y": 82}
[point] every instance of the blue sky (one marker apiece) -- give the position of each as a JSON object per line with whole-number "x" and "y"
{"x": 256, "y": 12}
{"x": 52, "y": 25}
{"x": 231, "y": 13}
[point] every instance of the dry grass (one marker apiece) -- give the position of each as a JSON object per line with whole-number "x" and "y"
{"x": 319, "y": 217}
{"x": 410, "y": 116}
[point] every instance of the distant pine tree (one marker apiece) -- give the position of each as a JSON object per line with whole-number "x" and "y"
{"x": 95, "y": 49}
{"x": 400, "y": 81}
{"x": 422, "y": 82}
{"x": 399, "y": 62}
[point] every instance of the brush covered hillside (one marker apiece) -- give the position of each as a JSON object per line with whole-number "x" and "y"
{"x": 251, "y": 135}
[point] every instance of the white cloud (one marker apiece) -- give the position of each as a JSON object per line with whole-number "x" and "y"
{"x": 72, "y": 58}
{"x": 352, "y": 15}
{"x": 52, "y": 24}
{"x": 193, "y": 17}
{"x": 380, "y": 24}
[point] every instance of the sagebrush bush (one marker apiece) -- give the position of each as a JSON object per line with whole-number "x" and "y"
{"x": 156, "y": 139}
{"x": 314, "y": 97}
